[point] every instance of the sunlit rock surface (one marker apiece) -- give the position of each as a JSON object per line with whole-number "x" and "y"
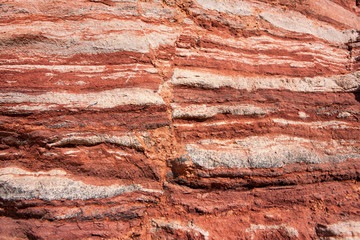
{"x": 179, "y": 119}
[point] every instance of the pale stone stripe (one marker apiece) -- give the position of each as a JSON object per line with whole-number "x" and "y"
{"x": 349, "y": 230}
{"x": 128, "y": 140}
{"x": 269, "y": 152}
{"x": 213, "y": 80}
{"x": 105, "y": 99}
{"x": 158, "y": 223}
{"x": 18, "y": 184}
{"x": 290, "y": 231}
{"x": 297, "y": 22}
{"x": 203, "y": 111}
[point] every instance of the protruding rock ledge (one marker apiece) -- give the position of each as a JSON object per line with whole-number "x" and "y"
{"x": 88, "y": 139}
{"x": 269, "y": 152}
{"x": 211, "y": 80}
{"x": 349, "y": 230}
{"x": 99, "y": 100}
{"x": 18, "y": 184}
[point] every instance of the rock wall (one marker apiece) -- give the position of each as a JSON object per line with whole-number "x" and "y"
{"x": 179, "y": 119}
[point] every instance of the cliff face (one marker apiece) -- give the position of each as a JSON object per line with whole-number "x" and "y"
{"x": 179, "y": 119}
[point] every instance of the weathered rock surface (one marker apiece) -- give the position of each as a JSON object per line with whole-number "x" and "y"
{"x": 179, "y": 119}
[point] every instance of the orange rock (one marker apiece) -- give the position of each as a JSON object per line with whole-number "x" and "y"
{"x": 179, "y": 119}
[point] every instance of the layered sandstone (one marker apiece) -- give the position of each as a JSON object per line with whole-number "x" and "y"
{"x": 179, "y": 119}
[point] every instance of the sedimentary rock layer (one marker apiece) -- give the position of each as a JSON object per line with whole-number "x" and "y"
{"x": 179, "y": 119}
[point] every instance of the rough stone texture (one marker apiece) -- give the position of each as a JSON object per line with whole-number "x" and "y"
{"x": 179, "y": 119}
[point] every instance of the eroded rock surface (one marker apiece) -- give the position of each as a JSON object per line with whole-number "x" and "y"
{"x": 179, "y": 119}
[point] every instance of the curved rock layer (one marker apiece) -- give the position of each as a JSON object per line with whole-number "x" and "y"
{"x": 179, "y": 119}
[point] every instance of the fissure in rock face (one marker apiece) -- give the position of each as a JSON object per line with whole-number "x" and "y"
{"x": 179, "y": 119}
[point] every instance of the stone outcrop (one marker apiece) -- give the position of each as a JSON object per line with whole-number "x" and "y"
{"x": 179, "y": 119}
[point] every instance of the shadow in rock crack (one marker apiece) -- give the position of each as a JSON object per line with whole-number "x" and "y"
{"x": 357, "y": 94}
